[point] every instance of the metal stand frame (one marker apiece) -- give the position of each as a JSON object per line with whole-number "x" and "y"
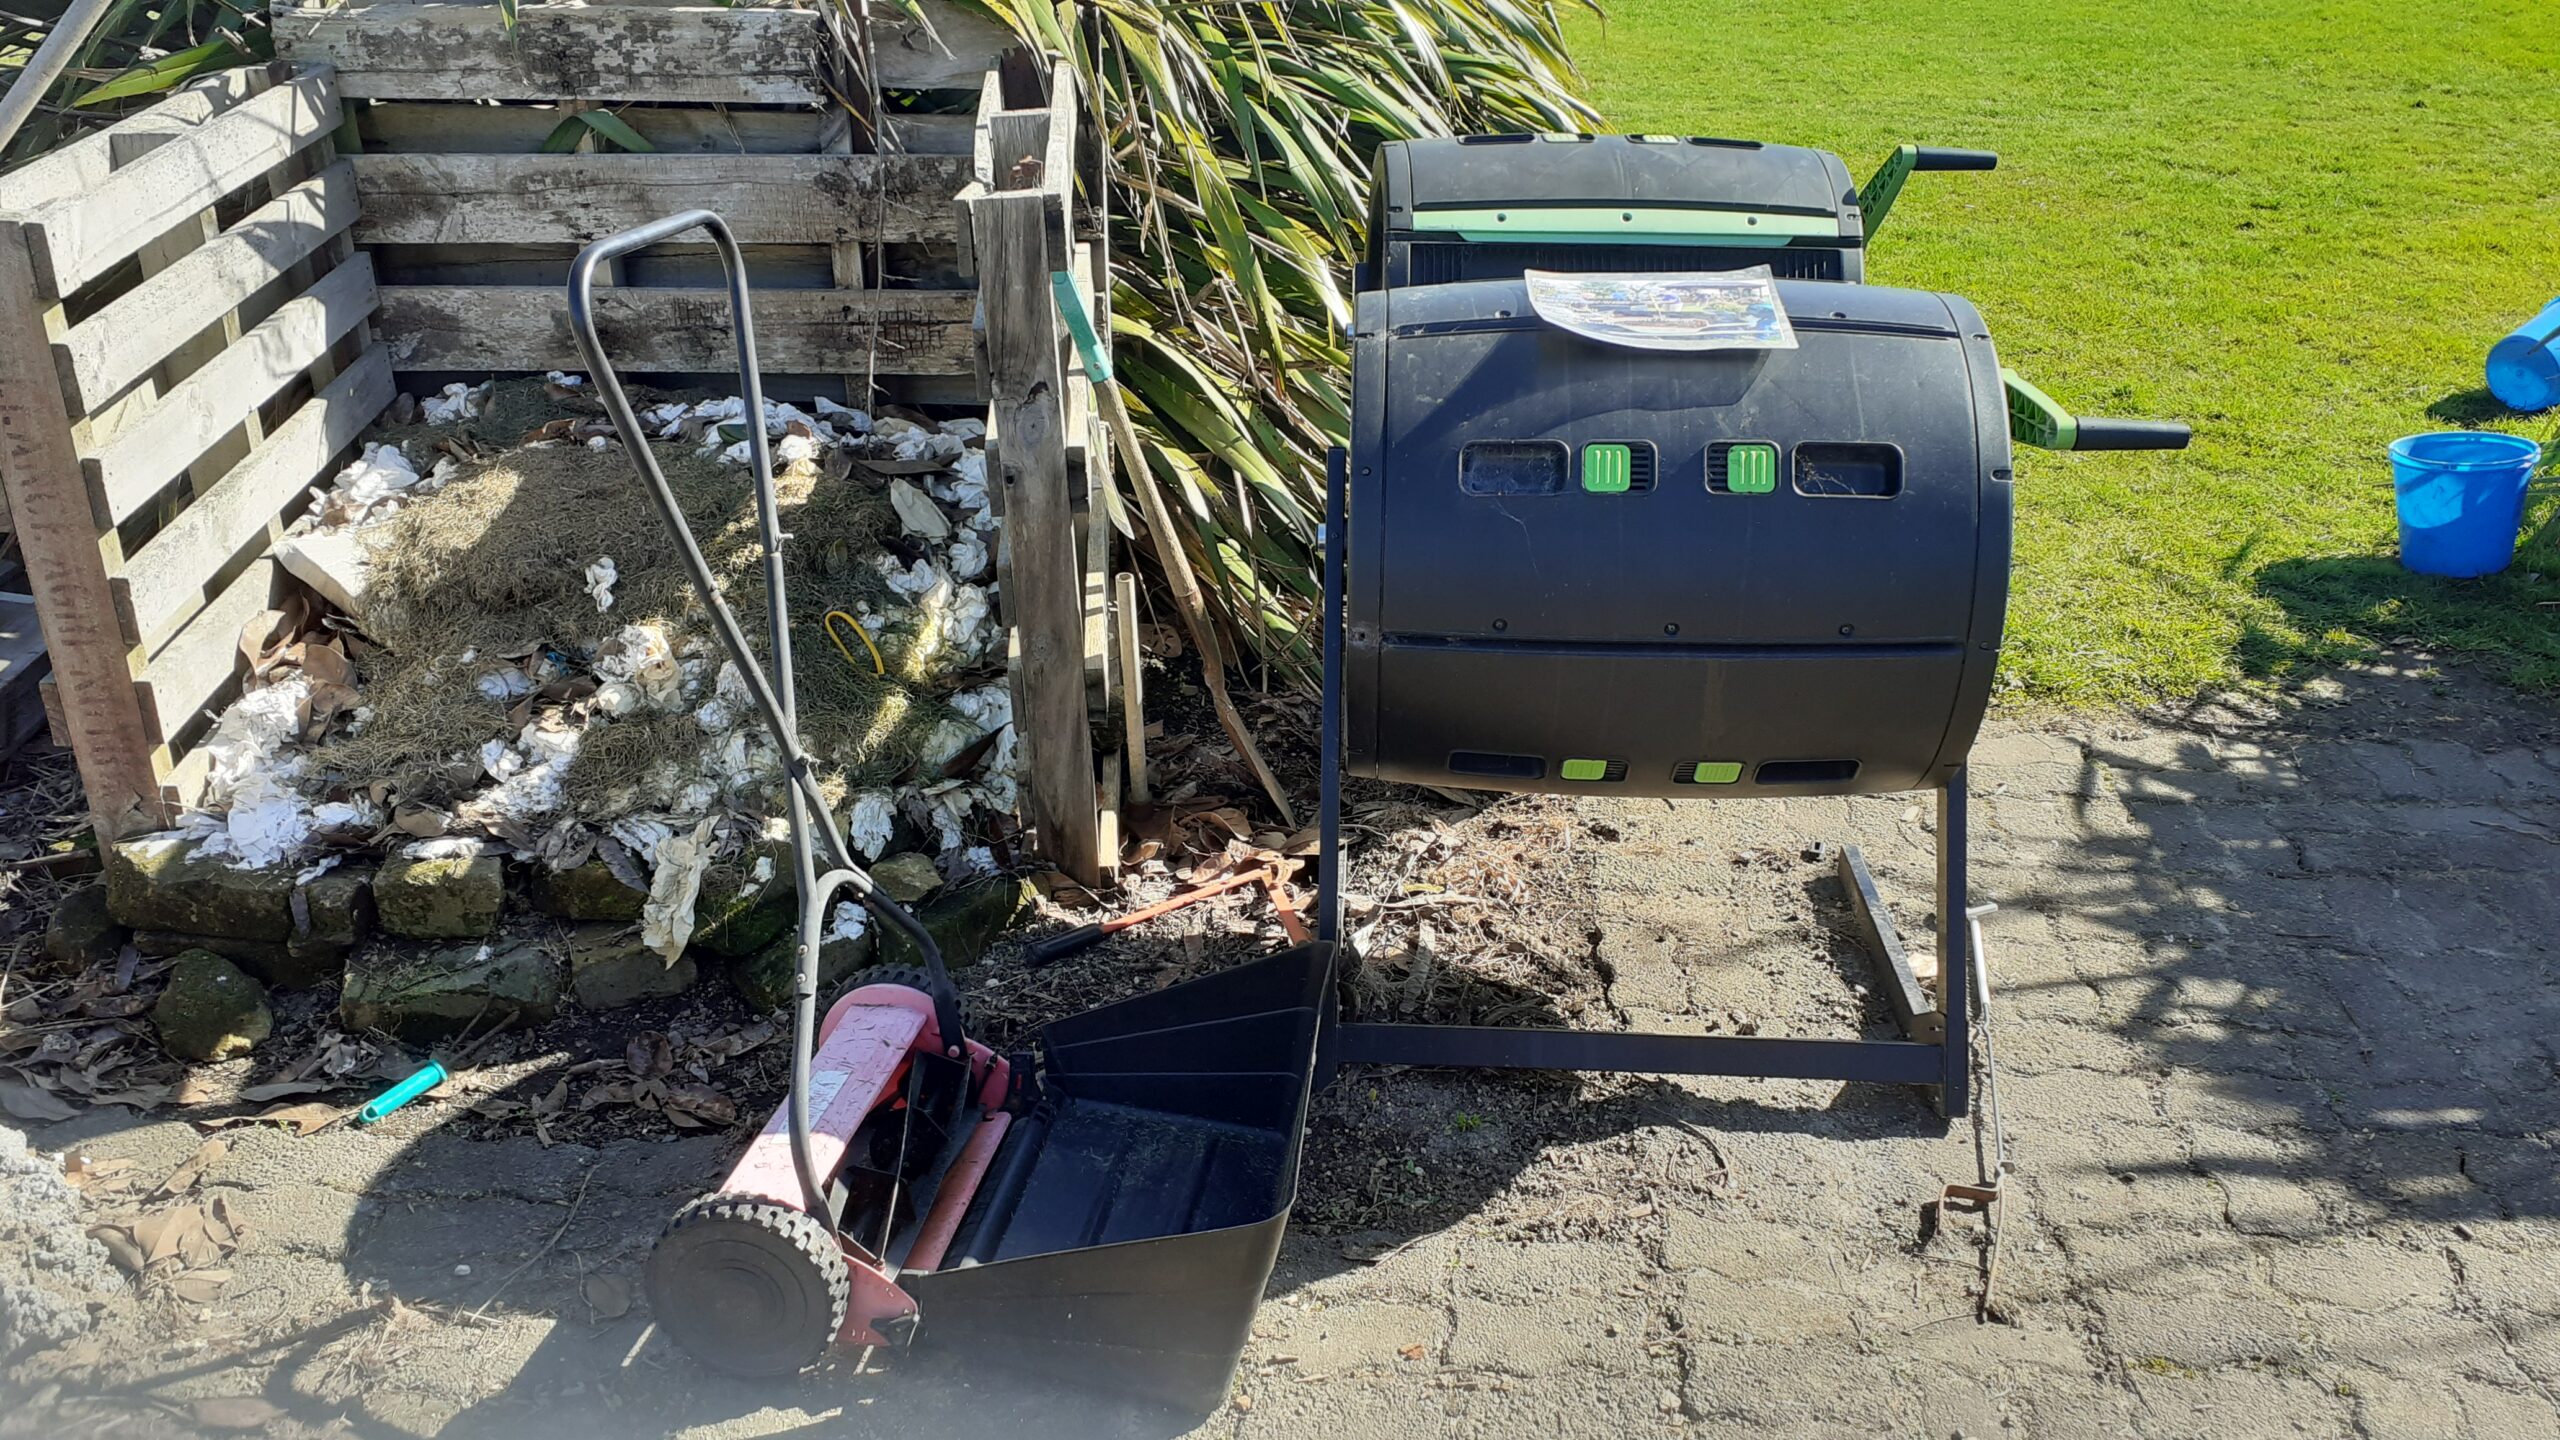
{"x": 1936, "y": 1050}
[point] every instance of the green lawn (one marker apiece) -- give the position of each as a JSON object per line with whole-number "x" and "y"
{"x": 2297, "y": 226}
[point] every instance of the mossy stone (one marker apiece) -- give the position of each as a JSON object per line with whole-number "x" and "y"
{"x": 294, "y": 964}
{"x": 609, "y": 968}
{"x": 448, "y": 899}
{"x": 735, "y": 914}
{"x": 586, "y": 892}
{"x": 164, "y": 882}
{"x": 764, "y": 979}
{"x": 964, "y": 922}
{"x": 907, "y": 878}
{"x": 752, "y": 930}
{"x": 338, "y": 906}
{"x": 81, "y": 932}
{"x": 425, "y": 994}
{"x": 212, "y": 1010}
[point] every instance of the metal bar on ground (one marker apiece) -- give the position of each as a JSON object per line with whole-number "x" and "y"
{"x": 1912, "y": 1007}
{"x": 1762, "y": 1056}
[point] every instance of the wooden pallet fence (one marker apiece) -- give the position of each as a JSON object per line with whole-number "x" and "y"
{"x": 472, "y": 224}
{"x": 1046, "y": 461}
{"x": 184, "y": 352}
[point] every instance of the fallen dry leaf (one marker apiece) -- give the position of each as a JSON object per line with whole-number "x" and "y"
{"x": 650, "y": 1054}
{"x": 700, "y": 1103}
{"x": 282, "y": 1089}
{"x": 166, "y": 1233}
{"x": 121, "y": 1248}
{"x": 200, "y": 1287}
{"x": 309, "y": 1118}
{"x": 29, "y": 1100}
{"x": 184, "y": 1178}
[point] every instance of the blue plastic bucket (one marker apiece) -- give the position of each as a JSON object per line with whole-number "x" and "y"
{"x": 2524, "y": 368}
{"x": 2461, "y": 499}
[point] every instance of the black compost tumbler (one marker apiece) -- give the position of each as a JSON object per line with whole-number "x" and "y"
{"x": 1579, "y": 567}
{"x": 1605, "y": 566}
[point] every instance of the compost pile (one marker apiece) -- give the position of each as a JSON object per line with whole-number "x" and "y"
{"x": 522, "y": 666}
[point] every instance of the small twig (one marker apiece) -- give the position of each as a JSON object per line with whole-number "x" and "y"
{"x": 47, "y": 862}
{"x": 547, "y": 1247}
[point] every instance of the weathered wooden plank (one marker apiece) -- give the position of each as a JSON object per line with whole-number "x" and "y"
{"x": 943, "y": 49}
{"x": 1043, "y": 584}
{"x": 199, "y": 668}
{"x": 798, "y": 331}
{"x": 982, "y": 165}
{"x": 767, "y": 199}
{"x": 430, "y": 127}
{"x": 932, "y": 134}
{"x": 949, "y": 49}
{"x": 76, "y": 168}
{"x": 119, "y": 344}
{"x": 562, "y": 52}
{"x": 1106, "y": 831}
{"x": 769, "y": 267}
{"x": 1018, "y": 147}
{"x": 133, "y": 468}
{"x": 444, "y": 127}
{"x": 78, "y": 238}
{"x": 189, "y": 351}
{"x": 165, "y": 583}
{"x": 58, "y": 540}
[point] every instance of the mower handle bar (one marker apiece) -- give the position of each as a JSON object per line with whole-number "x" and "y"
{"x": 1940, "y": 157}
{"x": 2098, "y": 434}
{"x": 773, "y": 697}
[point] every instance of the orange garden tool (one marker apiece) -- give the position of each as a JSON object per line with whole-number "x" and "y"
{"x": 1059, "y": 947}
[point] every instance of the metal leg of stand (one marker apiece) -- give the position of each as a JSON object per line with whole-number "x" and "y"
{"x": 1329, "y": 887}
{"x": 1955, "y": 953}
{"x": 1329, "y": 784}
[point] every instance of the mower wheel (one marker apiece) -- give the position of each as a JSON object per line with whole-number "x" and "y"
{"x": 748, "y": 1286}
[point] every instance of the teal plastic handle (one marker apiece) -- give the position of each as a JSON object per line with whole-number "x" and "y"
{"x": 421, "y": 1080}
{"x": 1071, "y": 308}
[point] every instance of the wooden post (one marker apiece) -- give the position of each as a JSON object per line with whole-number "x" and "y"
{"x": 1028, "y": 397}
{"x": 1133, "y": 708}
{"x": 58, "y": 537}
